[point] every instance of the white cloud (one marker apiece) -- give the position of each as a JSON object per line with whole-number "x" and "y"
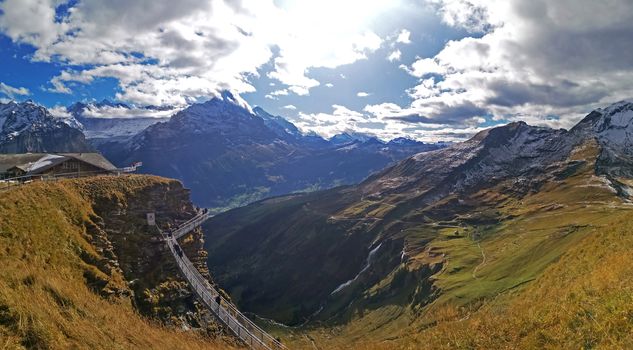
{"x": 525, "y": 60}
{"x": 426, "y": 89}
{"x": 11, "y": 91}
{"x": 424, "y": 66}
{"x": 120, "y": 112}
{"x": 472, "y": 15}
{"x": 59, "y": 112}
{"x": 394, "y": 56}
{"x": 329, "y": 85}
{"x": 404, "y": 37}
{"x": 363, "y": 94}
{"x": 339, "y": 120}
{"x": 290, "y": 107}
{"x": 175, "y": 54}
{"x": 275, "y": 94}
{"x": 534, "y": 60}
{"x": 179, "y": 54}
{"x": 300, "y": 90}
{"x": 316, "y": 50}
{"x": 383, "y": 109}
{"x": 386, "y": 121}
{"x": 40, "y": 32}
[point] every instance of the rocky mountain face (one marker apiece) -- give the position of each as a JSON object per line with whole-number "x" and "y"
{"x": 119, "y": 231}
{"x": 613, "y": 128}
{"x": 27, "y": 127}
{"x": 78, "y": 255}
{"x": 229, "y": 155}
{"x": 450, "y": 227}
{"x": 516, "y": 150}
{"x": 281, "y": 127}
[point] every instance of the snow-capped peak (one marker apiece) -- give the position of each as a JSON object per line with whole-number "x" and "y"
{"x": 612, "y": 125}
{"x": 617, "y": 115}
{"x": 222, "y": 107}
{"x": 15, "y": 117}
{"x": 236, "y": 99}
{"x": 616, "y": 108}
{"x": 403, "y": 141}
{"x": 29, "y": 127}
{"x": 351, "y": 136}
{"x": 278, "y": 124}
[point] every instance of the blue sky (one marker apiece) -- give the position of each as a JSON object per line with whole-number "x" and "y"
{"x": 382, "y": 79}
{"x": 426, "y": 69}
{"x": 20, "y": 70}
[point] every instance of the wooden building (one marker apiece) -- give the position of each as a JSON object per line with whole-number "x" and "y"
{"x": 15, "y": 165}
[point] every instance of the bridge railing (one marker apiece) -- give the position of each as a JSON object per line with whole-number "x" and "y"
{"x": 188, "y": 226}
{"x": 224, "y": 311}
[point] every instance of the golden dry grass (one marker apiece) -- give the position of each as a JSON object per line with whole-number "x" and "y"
{"x": 45, "y": 302}
{"x": 583, "y": 301}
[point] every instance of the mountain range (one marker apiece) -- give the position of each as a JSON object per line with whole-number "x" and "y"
{"x": 227, "y": 153}
{"x": 230, "y": 155}
{"x": 516, "y": 238}
{"x": 28, "y": 127}
{"x": 421, "y": 246}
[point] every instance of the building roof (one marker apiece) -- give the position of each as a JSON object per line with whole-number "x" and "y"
{"x": 95, "y": 159}
{"x": 8, "y": 161}
{"x": 34, "y": 163}
{"x": 45, "y": 162}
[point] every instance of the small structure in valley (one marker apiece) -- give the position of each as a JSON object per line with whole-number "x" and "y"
{"x": 151, "y": 219}
{"x": 52, "y": 164}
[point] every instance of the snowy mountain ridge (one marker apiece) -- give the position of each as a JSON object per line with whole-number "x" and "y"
{"x": 28, "y": 127}
{"x": 16, "y": 118}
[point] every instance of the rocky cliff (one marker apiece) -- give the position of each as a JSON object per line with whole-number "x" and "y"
{"x": 118, "y": 229}
{"x": 81, "y": 267}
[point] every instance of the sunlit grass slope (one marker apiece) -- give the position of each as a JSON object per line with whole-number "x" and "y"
{"x": 48, "y": 270}
{"x": 554, "y": 272}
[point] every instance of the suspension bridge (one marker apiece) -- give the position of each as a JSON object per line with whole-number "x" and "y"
{"x": 223, "y": 310}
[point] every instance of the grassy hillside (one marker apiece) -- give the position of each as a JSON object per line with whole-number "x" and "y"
{"x": 553, "y": 273}
{"x": 58, "y": 290}
{"x": 517, "y": 261}
{"x": 582, "y": 301}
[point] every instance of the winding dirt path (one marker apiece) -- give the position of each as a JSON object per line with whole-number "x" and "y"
{"x": 483, "y": 262}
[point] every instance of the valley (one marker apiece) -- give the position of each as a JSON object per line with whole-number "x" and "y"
{"x": 230, "y": 155}
{"x": 316, "y": 175}
{"x": 421, "y": 254}
{"x": 451, "y": 238}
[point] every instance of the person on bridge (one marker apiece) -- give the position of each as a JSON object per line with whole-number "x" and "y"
{"x": 218, "y": 300}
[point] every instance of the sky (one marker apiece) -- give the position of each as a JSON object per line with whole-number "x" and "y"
{"x": 433, "y": 70}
